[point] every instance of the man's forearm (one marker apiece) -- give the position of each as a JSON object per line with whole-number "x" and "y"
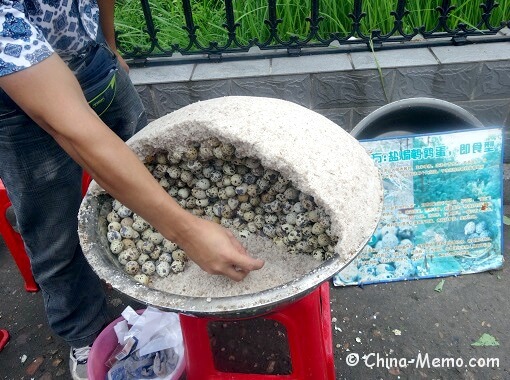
{"x": 106, "y": 21}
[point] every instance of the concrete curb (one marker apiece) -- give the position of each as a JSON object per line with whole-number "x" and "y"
{"x": 345, "y": 87}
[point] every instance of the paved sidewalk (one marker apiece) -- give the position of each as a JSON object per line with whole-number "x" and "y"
{"x": 397, "y": 320}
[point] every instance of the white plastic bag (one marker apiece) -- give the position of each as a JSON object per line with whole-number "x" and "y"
{"x": 151, "y": 348}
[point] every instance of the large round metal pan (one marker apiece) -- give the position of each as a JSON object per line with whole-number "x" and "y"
{"x": 318, "y": 156}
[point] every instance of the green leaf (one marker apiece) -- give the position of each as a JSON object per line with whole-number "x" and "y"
{"x": 506, "y": 220}
{"x": 486, "y": 340}
{"x": 439, "y": 287}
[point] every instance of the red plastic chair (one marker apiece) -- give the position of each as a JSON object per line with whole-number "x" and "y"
{"x": 15, "y": 243}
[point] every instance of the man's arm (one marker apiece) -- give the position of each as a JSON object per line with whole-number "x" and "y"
{"x": 59, "y": 107}
{"x": 106, "y": 21}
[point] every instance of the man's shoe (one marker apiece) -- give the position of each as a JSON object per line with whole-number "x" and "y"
{"x": 78, "y": 362}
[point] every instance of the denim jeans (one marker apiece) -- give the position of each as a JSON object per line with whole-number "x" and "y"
{"x": 43, "y": 184}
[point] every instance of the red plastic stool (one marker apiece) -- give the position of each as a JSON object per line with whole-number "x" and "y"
{"x": 13, "y": 239}
{"x": 305, "y": 324}
{"x": 15, "y": 243}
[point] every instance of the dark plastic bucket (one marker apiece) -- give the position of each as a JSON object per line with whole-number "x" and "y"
{"x": 414, "y": 116}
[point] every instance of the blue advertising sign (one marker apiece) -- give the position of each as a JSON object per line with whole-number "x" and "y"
{"x": 442, "y": 208}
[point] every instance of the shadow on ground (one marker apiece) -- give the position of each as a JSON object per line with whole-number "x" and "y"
{"x": 384, "y": 323}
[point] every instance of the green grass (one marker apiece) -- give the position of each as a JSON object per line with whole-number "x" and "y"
{"x": 209, "y": 17}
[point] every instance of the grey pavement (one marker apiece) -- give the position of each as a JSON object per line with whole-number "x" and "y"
{"x": 384, "y": 322}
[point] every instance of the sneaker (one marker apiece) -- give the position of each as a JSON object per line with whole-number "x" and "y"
{"x": 78, "y": 362}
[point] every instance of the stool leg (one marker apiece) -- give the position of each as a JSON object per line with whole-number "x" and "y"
{"x": 327, "y": 330}
{"x": 308, "y": 324}
{"x": 4, "y": 338}
{"x": 85, "y": 182}
{"x": 15, "y": 245}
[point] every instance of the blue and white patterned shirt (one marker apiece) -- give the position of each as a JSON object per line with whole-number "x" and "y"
{"x": 31, "y": 30}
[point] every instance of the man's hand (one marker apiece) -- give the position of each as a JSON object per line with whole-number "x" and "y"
{"x": 122, "y": 62}
{"x": 216, "y": 250}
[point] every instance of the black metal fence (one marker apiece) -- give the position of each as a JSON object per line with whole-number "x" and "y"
{"x": 355, "y": 38}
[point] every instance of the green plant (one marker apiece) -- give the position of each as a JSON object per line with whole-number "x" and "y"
{"x": 209, "y": 17}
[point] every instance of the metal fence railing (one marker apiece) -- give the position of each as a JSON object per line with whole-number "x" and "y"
{"x": 353, "y": 37}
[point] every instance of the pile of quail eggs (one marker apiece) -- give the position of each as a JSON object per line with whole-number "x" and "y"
{"x": 210, "y": 180}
